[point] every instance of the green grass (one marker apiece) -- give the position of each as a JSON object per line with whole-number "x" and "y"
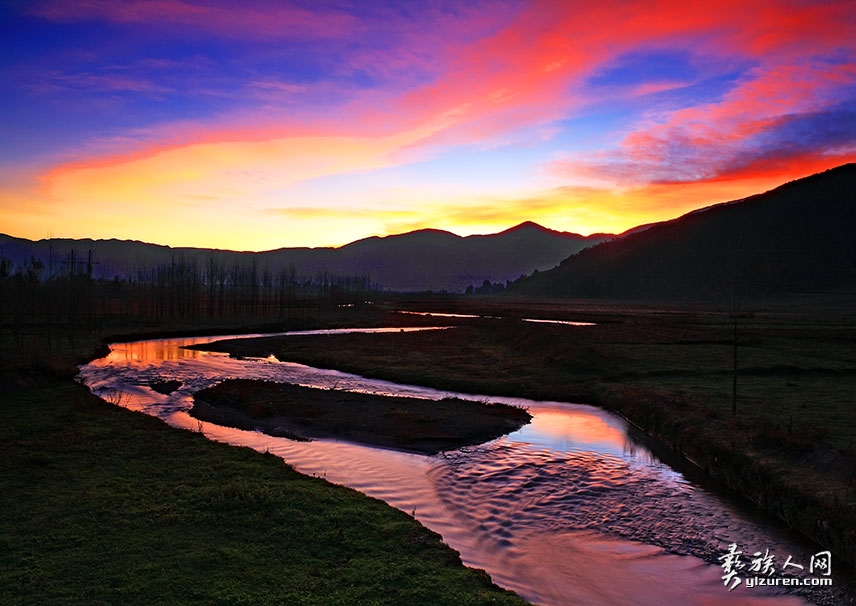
{"x": 802, "y": 378}
{"x": 102, "y": 505}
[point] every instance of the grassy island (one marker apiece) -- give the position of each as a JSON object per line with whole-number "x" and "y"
{"x": 411, "y": 424}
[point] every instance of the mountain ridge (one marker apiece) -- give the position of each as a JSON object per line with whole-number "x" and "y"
{"x": 795, "y": 238}
{"x": 425, "y": 259}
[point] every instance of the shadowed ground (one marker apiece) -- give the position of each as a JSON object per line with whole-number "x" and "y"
{"x": 293, "y": 411}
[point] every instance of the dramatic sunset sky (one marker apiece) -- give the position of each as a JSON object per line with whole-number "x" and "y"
{"x": 257, "y": 125}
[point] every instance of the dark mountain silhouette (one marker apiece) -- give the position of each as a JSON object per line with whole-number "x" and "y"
{"x": 797, "y": 238}
{"x": 438, "y": 260}
{"x": 427, "y": 259}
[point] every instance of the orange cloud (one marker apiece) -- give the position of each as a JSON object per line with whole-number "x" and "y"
{"x": 224, "y": 190}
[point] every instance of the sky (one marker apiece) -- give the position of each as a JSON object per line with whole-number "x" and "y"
{"x": 256, "y": 125}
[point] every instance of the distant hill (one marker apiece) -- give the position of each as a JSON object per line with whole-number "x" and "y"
{"x": 797, "y": 238}
{"x": 438, "y": 260}
{"x": 416, "y": 261}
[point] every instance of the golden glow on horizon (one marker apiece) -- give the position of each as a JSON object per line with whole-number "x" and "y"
{"x": 197, "y": 223}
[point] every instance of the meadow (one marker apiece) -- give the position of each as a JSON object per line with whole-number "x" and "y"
{"x": 104, "y": 505}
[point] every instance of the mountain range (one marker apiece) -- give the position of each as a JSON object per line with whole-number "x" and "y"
{"x": 422, "y": 260}
{"x": 798, "y": 238}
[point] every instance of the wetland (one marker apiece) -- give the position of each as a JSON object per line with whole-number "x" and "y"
{"x": 514, "y": 465}
{"x": 623, "y": 499}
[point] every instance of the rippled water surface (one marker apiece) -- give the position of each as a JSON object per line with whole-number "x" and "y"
{"x": 572, "y": 508}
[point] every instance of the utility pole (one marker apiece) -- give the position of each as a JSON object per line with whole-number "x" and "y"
{"x": 89, "y": 265}
{"x": 734, "y": 341}
{"x": 737, "y": 275}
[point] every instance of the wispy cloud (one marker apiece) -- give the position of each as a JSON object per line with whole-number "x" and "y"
{"x": 226, "y": 19}
{"x": 60, "y": 82}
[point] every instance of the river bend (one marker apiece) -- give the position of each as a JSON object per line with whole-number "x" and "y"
{"x": 571, "y": 508}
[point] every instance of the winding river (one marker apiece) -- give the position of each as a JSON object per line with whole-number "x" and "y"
{"x": 572, "y": 508}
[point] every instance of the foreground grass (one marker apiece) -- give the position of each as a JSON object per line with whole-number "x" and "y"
{"x": 102, "y": 505}
{"x": 789, "y": 449}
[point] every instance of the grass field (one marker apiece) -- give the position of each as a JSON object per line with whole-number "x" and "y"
{"x": 102, "y": 505}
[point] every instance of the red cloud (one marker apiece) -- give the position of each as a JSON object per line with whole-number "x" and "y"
{"x": 534, "y": 70}
{"x": 485, "y": 75}
{"x": 797, "y": 82}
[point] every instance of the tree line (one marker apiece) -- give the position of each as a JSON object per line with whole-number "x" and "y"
{"x": 47, "y": 300}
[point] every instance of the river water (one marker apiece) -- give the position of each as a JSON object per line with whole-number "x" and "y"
{"x": 573, "y": 508}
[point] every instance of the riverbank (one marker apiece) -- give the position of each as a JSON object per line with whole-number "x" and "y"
{"x": 409, "y": 424}
{"x": 103, "y": 505}
{"x": 787, "y": 449}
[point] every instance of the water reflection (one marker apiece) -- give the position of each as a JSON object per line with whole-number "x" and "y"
{"x": 565, "y": 322}
{"x": 565, "y": 427}
{"x": 154, "y": 351}
{"x": 568, "y": 509}
{"x": 439, "y": 315}
{"x": 536, "y": 320}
